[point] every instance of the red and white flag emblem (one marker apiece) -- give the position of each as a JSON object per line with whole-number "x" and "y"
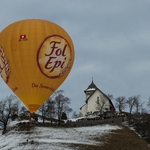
{"x": 22, "y": 36}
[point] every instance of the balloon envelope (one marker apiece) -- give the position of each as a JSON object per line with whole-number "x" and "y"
{"x": 36, "y": 56}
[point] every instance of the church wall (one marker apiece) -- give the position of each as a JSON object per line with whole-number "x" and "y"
{"x": 92, "y": 102}
{"x": 107, "y": 104}
{"x": 84, "y": 110}
{"x": 91, "y": 106}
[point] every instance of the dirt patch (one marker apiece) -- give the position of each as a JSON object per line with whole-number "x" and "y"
{"x": 121, "y": 139}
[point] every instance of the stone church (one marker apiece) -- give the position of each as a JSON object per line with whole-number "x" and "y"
{"x": 96, "y": 101}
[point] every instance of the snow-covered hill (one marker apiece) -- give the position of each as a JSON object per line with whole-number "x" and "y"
{"x": 48, "y": 138}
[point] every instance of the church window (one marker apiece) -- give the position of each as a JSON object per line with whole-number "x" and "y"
{"x": 97, "y": 100}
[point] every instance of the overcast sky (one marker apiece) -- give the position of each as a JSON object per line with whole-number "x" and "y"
{"x": 111, "y": 40}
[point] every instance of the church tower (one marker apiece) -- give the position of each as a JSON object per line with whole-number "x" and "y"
{"x": 90, "y": 90}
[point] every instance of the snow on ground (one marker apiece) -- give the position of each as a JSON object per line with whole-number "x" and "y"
{"x": 47, "y": 138}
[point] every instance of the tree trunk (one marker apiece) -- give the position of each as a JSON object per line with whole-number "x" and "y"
{"x": 4, "y": 129}
{"x": 59, "y": 121}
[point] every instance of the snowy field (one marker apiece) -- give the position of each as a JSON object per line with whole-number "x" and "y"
{"x": 53, "y": 138}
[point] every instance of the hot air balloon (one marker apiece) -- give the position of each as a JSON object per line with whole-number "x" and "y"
{"x": 36, "y": 56}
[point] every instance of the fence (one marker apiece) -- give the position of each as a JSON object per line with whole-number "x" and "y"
{"x": 83, "y": 123}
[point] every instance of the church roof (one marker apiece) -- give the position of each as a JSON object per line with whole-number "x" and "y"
{"x": 92, "y": 87}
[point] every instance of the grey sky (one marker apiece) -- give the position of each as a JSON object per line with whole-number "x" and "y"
{"x": 111, "y": 40}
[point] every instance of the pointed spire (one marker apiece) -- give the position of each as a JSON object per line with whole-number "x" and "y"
{"x": 92, "y": 85}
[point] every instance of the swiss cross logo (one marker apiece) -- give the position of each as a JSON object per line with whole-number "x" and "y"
{"x": 23, "y": 37}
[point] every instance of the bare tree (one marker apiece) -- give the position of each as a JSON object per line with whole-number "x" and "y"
{"x": 24, "y": 113}
{"x": 47, "y": 110}
{"x": 15, "y": 110}
{"x": 144, "y": 110}
{"x": 8, "y": 107}
{"x": 100, "y": 104}
{"x": 120, "y": 103}
{"x": 148, "y": 103}
{"x": 43, "y": 111}
{"x": 23, "y": 109}
{"x": 50, "y": 106}
{"x": 76, "y": 115}
{"x": 61, "y": 104}
{"x": 138, "y": 104}
{"x": 110, "y": 96}
{"x": 131, "y": 103}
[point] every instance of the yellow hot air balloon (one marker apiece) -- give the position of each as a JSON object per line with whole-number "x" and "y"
{"x": 36, "y": 56}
